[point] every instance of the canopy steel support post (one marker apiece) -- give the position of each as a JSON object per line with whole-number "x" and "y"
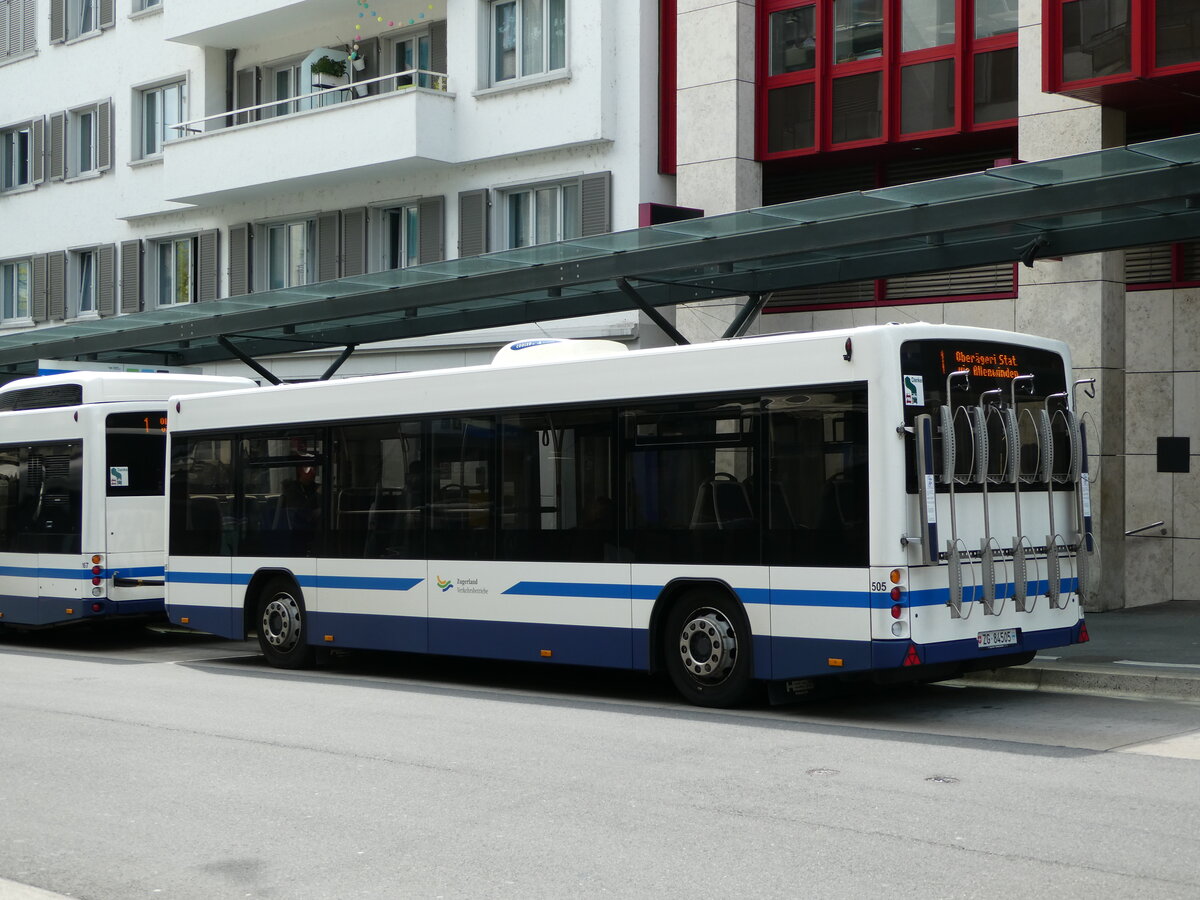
{"x": 655, "y": 316}
{"x": 229, "y": 345}
{"x": 337, "y": 363}
{"x": 754, "y": 304}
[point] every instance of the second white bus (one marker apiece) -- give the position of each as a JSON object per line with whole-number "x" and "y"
{"x": 902, "y": 501}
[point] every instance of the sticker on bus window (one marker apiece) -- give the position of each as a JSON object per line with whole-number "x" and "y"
{"x": 118, "y": 476}
{"x": 914, "y": 390}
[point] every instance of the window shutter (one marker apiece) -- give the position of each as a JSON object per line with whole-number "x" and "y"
{"x": 107, "y": 17}
{"x": 106, "y": 280}
{"x": 37, "y": 299}
{"x": 594, "y": 191}
{"x": 432, "y": 243}
{"x": 56, "y": 285}
{"x": 354, "y": 242}
{"x": 472, "y": 222}
{"x": 239, "y": 260}
{"x": 246, "y": 93}
{"x": 208, "y": 249}
{"x": 37, "y": 131}
{"x": 131, "y": 276}
{"x": 104, "y": 136}
{"x": 823, "y": 295}
{"x": 30, "y": 30}
{"x": 8, "y": 33}
{"x": 58, "y": 147}
{"x": 327, "y": 245}
{"x": 58, "y": 21}
{"x": 437, "y": 46}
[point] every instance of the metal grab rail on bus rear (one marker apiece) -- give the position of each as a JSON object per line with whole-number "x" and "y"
{"x": 982, "y": 466}
{"x": 1012, "y": 426}
{"x": 1053, "y": 539}
{"x": 949, "y": 478}
{"x": 1083, "y": 495}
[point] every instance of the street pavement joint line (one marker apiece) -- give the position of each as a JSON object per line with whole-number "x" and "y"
{"x": 340, "y": 754}
{"x": 1074, "y": 864}
{"x": 1184, "y": 745}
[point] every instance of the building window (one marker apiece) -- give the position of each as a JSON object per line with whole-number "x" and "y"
{"x": 15, "y": 156}
{"x": 81, "y": 18}
{"x": 857, "y": 108}
{"x": 83, "y": 283}
{"x": 289, "y": 254}
{"x": 793, "y": 40}
{"x": 14, "y": 291}
{"x": 1095, "y": 39}
{"x": 141, "y": 5}
{"x": 996, "y": 85}
{"x": 162, "y": 108}
{"x": 175, "y": 271}
{"x": 542, "y": 214}
{"x": 927, "y": 96}
{"x": 925, "y": 24}
{"x": 857, "y": 29}
{"x": 528, "y": 37}
{"x": 401, "y": 236}
{"x": 1177, "y": 33}
{"x": 284, "y": 83}
{"x": 993, "y": 17}
{"x": 81, "y": 156}
{"x": 411, "y": 54}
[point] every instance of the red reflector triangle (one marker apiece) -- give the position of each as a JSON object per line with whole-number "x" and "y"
{"x": 911, "y": 658}
{"x": 1083, "y": 635}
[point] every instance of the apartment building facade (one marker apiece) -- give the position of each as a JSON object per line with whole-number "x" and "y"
{"x": 160, "y": 153}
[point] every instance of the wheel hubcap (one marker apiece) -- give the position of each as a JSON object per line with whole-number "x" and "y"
{"x": 281, "y": 622}
{"x": 708, "y": 646}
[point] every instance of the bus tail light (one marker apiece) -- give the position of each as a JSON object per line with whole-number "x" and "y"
{"x": 97, "y": 607}
{"x": 911, "y": 658}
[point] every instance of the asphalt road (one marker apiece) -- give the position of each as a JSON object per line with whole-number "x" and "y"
{"x": 171, "y": 766}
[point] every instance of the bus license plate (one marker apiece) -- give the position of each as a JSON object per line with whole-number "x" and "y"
{"x": 1005, "y": 637}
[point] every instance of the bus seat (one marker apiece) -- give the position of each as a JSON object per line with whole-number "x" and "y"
{"x": 722, "y": 503}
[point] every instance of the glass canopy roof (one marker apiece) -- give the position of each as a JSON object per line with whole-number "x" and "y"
{"x": 1074, "y": 204}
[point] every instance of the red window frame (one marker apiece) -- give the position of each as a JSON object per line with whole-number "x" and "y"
{"x": 890, "y": 64}
{"x": 1143, "y": 51}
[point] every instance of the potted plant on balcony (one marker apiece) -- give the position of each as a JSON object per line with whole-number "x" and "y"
{"x": 328, "y": 72}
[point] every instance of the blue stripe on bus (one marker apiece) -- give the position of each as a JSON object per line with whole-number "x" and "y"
{"x": 35, "y": 572}
{"x": 206, "y": 578}
{"x": 359, "y": 582}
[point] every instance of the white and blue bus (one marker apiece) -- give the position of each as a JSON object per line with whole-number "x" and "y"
{"x": 900, "y": 501}
{"x": 82, "y": 480}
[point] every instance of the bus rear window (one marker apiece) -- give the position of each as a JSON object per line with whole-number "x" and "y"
{"x": 136, "y": 446}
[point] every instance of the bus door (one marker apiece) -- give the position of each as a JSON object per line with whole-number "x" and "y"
{"x": 40, "y": 516}
{"x": 134, "y": 481}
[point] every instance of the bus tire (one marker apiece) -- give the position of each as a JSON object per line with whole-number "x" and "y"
{"x": 283, "y": 625}
{"x": 707, "y": 648}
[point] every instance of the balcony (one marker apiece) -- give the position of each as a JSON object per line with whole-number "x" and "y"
{"x": 239, "y": 23}
{"x": 325, "y": 138}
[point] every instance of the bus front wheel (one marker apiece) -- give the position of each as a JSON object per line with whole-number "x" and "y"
{"x": 707, "y": 648}
{"x": 282, "y": 626}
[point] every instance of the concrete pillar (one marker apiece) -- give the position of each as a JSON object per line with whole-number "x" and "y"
{"x": 1081, "y": 299}
{"x": 716, "y": 170}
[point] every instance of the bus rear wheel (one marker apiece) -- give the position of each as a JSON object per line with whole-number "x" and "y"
{"x": 282, "y": 625}
{"x": 706, "y": 647}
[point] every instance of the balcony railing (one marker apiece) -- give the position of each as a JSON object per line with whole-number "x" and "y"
{"x": 410, "y": 79}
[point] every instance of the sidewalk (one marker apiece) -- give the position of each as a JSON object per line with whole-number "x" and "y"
{"x": 1149, "y": 651}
